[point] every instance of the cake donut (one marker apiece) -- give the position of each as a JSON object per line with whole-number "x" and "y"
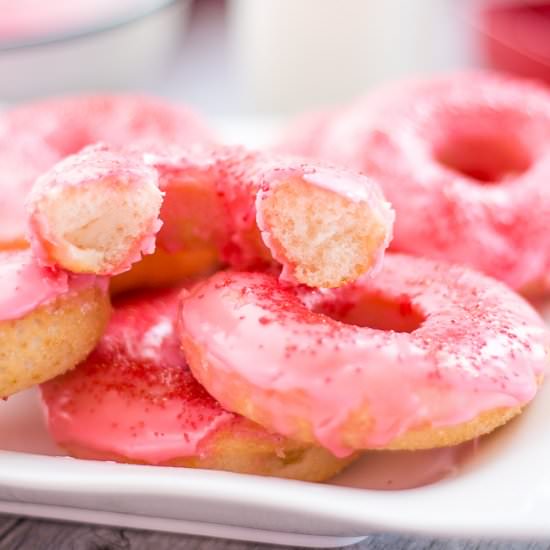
{"x": 324, "y": 226}
{"x": 49, "y": 320}
{"x": 423, "y": 355}
{"x": 464, "y": 161}
{"x": 34, "y": 136}
{"x": 95, "y": 212}
{"x": 135, "y": 400}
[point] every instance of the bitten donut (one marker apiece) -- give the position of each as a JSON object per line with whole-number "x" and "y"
{"x": 423, "y": 355}
{"x": 49, "y": 320}
{"x": 464, "y": 159}
{"x": 33, "y": 137}
{"x": 135, "y": 400}
{"x": 324, "y": 226}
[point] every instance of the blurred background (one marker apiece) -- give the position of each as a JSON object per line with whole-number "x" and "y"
{"x": 268, "y": 57}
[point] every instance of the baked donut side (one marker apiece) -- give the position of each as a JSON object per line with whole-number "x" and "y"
{"x": 49, "y": 321}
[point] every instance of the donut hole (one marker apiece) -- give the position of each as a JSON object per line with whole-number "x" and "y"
{"x": 485, "y": 159}
{"x": 328, "y": 238}
{"x": 376, "y": 312}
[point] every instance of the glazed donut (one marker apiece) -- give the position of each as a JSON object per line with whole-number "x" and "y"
{"x": 324, "y": 226}
{"x": 464, "y": 160}
{"x": 135, "y": 400}
{"x": 33, "y": 137}
{"x": 49, "y": 320}
{"x": 423, "y": 355}
{"x": 95, "y": 212}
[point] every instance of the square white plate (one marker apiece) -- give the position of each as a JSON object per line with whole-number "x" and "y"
{"x": 500, "y": 489}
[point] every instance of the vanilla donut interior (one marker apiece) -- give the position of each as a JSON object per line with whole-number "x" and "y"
{"x": 95, "y": 226}
{"x": 330, "y": 238}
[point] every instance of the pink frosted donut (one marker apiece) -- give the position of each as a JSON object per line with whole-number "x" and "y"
{"x": 464, "y": 159}
{"x": 135, "y": 400}
{"x": 49, "y": 320}
{"x": 33, "y": 137}
{"x": 324, "y": 226}
{"x": 423, "y": 355}
{"x": 95, "y": 212}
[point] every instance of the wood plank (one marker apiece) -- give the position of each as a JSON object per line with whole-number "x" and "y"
{"x": 33, "y": 534}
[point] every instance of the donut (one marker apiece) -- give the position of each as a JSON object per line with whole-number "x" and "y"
{"x": 49, "y": 320}
{"x": 423, "y": 355}
{"x": 95, "y": 212}
{"x": 34, "y": 136}
{"x": 134, "y": 400}
{"x": 464, "y": 160}
{"x": 321, "y": 225}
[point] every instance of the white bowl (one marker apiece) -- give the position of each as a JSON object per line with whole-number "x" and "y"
{"x": 119, "y": 54}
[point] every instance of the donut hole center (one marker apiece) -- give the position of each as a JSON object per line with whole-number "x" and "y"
{"x": 376, "y": 312}
{"x": 485, "y": 159}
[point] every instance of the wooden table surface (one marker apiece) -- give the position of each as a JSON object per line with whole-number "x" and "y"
{"x": 22, "y": 534}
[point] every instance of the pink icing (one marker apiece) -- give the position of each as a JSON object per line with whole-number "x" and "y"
{"x": 464, "y": 159}
{"x": 135, "y": 396}
{"x": 473, "y": 346}
{"x": 26, "y": 285}
{"x": 33, "y": 137}
{"x": 96, "y": 166}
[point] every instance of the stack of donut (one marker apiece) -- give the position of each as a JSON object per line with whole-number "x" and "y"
{"x": 185, "y": 303}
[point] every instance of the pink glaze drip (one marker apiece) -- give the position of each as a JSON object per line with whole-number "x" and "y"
{"x": 26, "y": 285}
{"x": 101, "y": 167}
{"x": 491, "y": 214}
{"x": 479, "y": 347}
{"x": 135, "y": 396}
{"x": 33, "y": 137}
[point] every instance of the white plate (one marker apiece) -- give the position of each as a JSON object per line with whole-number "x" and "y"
{"x": 501, "y": 488}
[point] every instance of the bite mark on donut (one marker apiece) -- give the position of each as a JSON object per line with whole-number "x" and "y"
{"x": 329, "y": 238}
{"x": 95, "y": 212}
